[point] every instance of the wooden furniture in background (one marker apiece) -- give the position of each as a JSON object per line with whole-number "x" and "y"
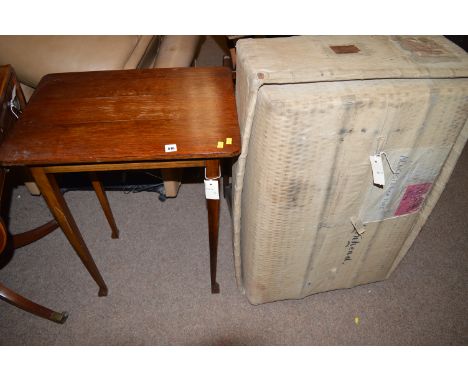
{"x": 124, "y": 120}
{"x": 13, "y": 103}
{"x": 9, "y": 243}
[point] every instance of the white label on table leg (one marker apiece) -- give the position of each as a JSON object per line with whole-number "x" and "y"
{"x": 211, "y": 189}
{"x": 170, "y": 148}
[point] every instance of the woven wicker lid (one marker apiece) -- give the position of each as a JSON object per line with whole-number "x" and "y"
{"x": 331, "y": 58}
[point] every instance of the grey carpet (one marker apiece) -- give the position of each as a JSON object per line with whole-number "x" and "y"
{"x": 158, "y": 277}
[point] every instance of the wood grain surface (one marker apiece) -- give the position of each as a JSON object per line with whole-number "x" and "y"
{"x": 126, "y": 115}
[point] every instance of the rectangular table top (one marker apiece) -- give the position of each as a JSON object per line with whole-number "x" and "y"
{"x": 126, "y": 116}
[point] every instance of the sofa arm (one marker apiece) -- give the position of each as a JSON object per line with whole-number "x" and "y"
{"x": 35, "y": 56}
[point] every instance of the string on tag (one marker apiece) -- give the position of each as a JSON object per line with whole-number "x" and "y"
{"x": 219, "y": 176}
{"x": 386, "y": 157}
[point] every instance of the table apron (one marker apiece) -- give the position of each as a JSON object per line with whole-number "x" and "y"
{"x": 121, "y": 166}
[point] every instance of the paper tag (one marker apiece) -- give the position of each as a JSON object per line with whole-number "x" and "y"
{"x": 170, "y": 148}
{"x": 211, "y": 189}
{"x": 377, "y": 169}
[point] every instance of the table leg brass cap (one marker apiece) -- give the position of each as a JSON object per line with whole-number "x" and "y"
{"x": 59, "y": 318}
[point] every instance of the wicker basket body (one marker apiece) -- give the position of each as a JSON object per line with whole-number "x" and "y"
{"x": 307, "y": 216}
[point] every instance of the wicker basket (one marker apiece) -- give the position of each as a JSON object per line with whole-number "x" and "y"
{"x": 307, "y": 215}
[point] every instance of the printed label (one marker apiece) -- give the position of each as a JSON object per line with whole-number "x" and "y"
{"x": 417, "y": 166}
{"x": 170, "y": 148}
{"x": 413, "y": 198}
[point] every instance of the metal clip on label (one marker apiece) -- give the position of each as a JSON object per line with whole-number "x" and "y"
{"x": 219, "y": 176}
{"x": 13, "y": 104}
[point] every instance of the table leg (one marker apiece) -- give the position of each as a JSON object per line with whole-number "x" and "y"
{"x": 102, "y": 197}
{"x": 57, "y": 205}
{"x": 212, "y": 171}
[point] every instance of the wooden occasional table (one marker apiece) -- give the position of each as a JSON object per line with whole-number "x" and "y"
{"x": 125, "y": 120}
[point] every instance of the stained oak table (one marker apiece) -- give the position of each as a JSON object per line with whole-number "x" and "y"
{"x": 125, "y": 120}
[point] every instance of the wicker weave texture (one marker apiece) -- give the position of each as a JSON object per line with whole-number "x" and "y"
{"x": 304, "y": 177}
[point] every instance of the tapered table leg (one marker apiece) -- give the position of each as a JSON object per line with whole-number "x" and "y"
{"x": 57, "y": 205}
{"x": 212, "y": 171}
{"x": 30, "y": 306}
{"x": 102, "y": 197}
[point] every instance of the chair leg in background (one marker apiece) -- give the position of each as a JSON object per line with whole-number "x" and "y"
{"x": 172, "y": 180}
{"x": 29, "y": 306}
